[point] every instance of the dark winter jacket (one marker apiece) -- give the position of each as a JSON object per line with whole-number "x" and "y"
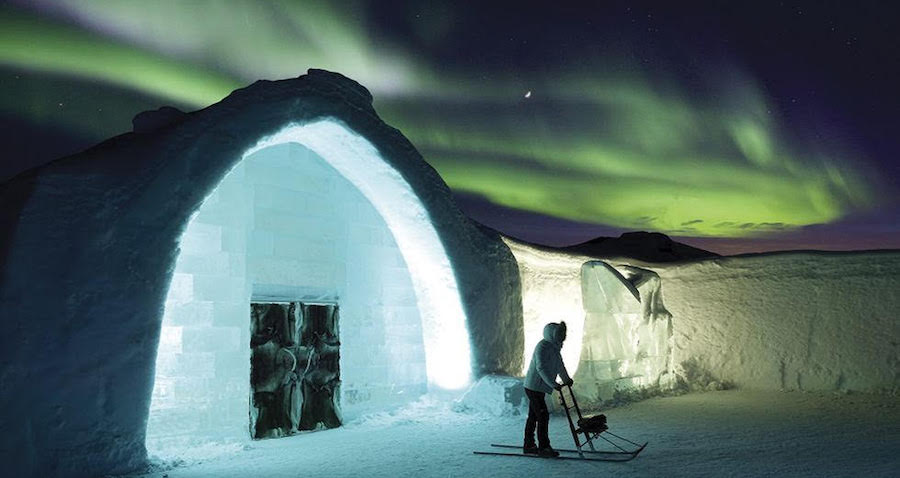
{"x": 547, "y": 363}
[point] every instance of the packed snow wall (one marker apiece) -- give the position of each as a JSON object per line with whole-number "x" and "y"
{"x": 788, "y": 321}
{"x": 551, "y": 292}
{"x": 94, "y": 238}
{"x": 620, "y": 334}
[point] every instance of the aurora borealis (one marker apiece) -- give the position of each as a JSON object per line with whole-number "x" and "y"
{"x": 618, "y": 131}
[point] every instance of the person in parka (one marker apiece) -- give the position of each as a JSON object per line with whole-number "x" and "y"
{"x": 546, "y": 364}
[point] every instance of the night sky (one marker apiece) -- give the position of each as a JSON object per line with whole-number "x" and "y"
{"x": 732, "y": 126}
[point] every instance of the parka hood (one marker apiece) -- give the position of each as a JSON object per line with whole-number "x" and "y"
{"x": 555, "y": 333}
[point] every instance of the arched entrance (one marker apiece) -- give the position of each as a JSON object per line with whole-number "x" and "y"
{"x": 96, "y": 237}
{"x": 309, "y": 215}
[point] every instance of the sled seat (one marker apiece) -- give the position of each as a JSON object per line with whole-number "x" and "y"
{"x": 592, "y": 424}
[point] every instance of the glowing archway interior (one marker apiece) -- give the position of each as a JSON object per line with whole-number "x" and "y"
{"x": 551, "y": 292}
{"x": 445, "y": 335}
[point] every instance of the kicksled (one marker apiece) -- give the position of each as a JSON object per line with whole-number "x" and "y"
{"x": 592, "y": 428}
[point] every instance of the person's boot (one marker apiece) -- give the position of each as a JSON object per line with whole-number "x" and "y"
{"x": 548, "y": 452}
{"x": 530, "y": 449}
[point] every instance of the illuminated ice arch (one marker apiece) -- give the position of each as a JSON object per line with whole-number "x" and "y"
{"x": 447, "y": 354}
{"x": 202, "y": 367}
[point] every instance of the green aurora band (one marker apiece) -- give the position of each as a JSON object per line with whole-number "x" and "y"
{"x": 614, "y": 149}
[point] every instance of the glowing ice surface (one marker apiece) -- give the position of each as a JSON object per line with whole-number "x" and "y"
{"x": 551, "y": 292}
{"x": 447, "y": 349}
{"x": 311, "y": 213}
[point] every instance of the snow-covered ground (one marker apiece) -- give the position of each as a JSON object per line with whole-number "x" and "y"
{"x": 723, "y": 433}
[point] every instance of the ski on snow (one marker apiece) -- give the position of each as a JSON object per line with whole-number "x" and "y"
{"x": 614, "y": 456}
{"x": 635, "y": 452}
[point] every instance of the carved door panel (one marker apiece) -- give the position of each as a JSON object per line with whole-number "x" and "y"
{"x": 319, "y": 334}
{"x": 294, "y": 372}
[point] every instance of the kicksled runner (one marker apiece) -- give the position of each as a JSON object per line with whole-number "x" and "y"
{"x": 591, "y": 427}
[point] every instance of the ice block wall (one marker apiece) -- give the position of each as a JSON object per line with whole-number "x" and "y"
{"x": 315, "y": 237}
{"x": 202, "y": 365}
{"x": 282, "y": 226}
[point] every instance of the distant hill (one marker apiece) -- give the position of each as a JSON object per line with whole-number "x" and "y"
{"x": 643, "y": 246}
